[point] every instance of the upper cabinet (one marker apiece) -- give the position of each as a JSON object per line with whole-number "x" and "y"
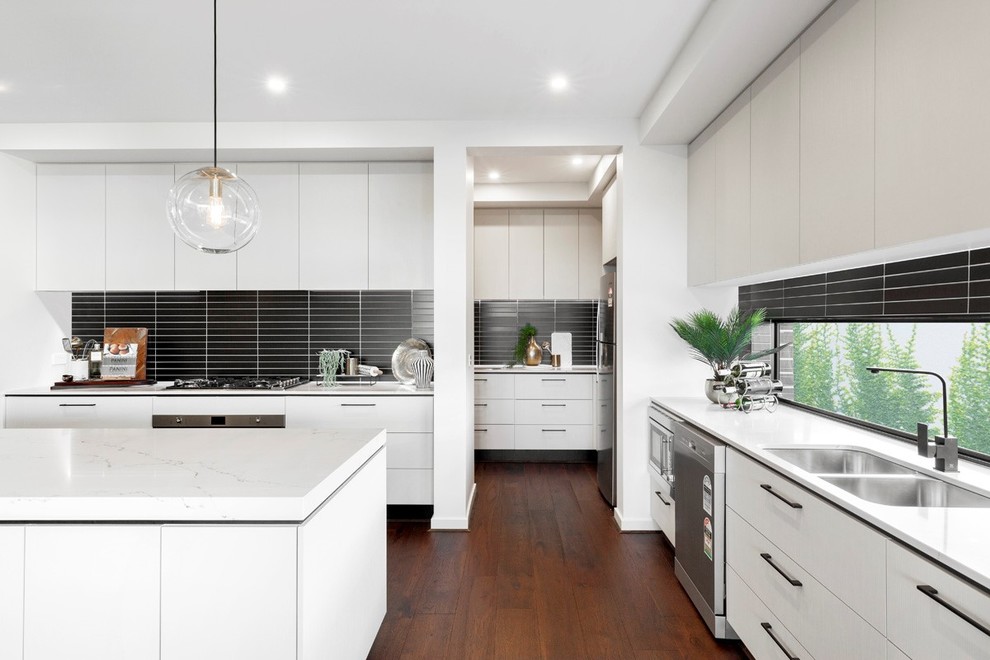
{"x": 200, "y": 271}
{"x": 561, "y": 252}
{"x": 837, "y": 132}
{"x": 271, "y": 259}
{"x": 610, "y": 221}
{"x": 932, "y": 136}
{"x": 701, "y": 209}
{"x": 589, "y": 253}
{"x": 139, "y": 239}
{"x": 400, "y": 226}
{"x": 526, "y": 253}
{"x": 732, "y": 191}
{"x": 491, "y": 254}
{"x": 71, "y": 227}
{"x": 333, "y": 225}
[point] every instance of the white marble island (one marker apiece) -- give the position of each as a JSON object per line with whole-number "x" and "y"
{"x": 140, "y": 543}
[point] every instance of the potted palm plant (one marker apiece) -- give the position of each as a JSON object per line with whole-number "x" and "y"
{"x": 719, "y": 342}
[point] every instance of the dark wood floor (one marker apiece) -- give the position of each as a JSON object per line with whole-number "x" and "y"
{"x": 543, "y": 573}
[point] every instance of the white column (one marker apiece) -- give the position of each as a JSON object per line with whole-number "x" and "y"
{"x": 453, "y": 322}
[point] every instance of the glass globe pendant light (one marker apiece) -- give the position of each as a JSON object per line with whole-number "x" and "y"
{"x": 211, "y": 209}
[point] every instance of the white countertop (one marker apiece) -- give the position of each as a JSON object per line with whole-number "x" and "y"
{"x": 312, "y": 388}
{"x": 201, "y": 475}
{"x": 956, "y": 537}
{"x": 538, "y": 369}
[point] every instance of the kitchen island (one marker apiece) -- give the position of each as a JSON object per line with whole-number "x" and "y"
{"x": 141, "y": 543}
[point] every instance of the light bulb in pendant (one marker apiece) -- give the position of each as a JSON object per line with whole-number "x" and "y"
{"x": 215, "y": 207}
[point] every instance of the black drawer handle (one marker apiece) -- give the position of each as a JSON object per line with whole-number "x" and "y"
{"x": 77, "y": 405}
{"x": 768, "y": 559}
{"x": 358, "y": 405}
{"x": 554, "y": 405}
{"x": 769, "y": 489}
{"x": 554, "y": 430}
{"x": 661, "y": 498}
{"x": 932, "y": 593}
{"x": 780, "y": 645}
{"x": 554, "y": 380}
{"x": 481, "y": 380}
{"x": 481, "y": 430}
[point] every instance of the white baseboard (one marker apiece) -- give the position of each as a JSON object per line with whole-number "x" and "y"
{"x": 634, "y": 524}
{"x": 456, "y": 523}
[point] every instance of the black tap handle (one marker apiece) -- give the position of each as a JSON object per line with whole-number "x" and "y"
{"x": 924, "y": 447}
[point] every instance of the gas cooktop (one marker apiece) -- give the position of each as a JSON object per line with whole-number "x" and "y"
{"x": 237, "y": 383}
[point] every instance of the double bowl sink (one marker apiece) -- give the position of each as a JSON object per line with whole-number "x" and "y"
{"x": 877, "y": 479}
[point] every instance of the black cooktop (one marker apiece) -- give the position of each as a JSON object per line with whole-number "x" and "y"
{"x": 237, "y": 383}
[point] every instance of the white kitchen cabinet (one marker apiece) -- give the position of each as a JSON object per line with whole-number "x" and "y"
{"x": 701, "y": 209}
{"x": 177, "y": 404}
{"x": 589, "y": 253}
{"x": 662, "y": 506}
{"x": 73, "y": 587}
{"x": 932, "y": 137}
{"x": 837, "y": 132}
{"x": 494, "y": 436}
{"x": 219, "y": 599}
{"x": 491, "y": 254}
{"x": 894, "y": 653}
{"x": 271, "y": 259}
{"x": 78, "y": 411}
{"x": 140, "y": 246}
{"x": 611, "y": 208}
{"x": 553, "y": 411}
{"x": 732, "y": 190}
{"x": 554, "y": 436}
{"x": 554, "y": 386}
{"x": 400, "y": 225}
{"x": 71, "y": 227}
{"x": 921, "y": 626}
{"x": 494, "y": 411}
{"x": 333, "y": 226}
{"x": 775, "y": 116}
{"x": 561, "y": 254}
{"x": 494, "y": 386}
{"x": 526, "y": 254}
{"x": 201, "y": 271}
{"x": 11, "y": 591}
{"x": 765, "y": 636}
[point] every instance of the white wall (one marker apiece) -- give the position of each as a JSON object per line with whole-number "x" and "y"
{"x": 29, "y": 331}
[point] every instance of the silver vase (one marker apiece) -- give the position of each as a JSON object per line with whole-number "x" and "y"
{"x": 422, "y": 367}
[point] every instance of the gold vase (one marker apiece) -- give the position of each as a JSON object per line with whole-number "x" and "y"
{"x": 534, "y": 354}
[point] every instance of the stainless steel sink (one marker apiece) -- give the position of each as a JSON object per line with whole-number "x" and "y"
{"x": 839, "y": 460}
{"x": 902, "y": 490}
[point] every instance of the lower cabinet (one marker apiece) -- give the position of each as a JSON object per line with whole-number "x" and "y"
{"x": 23, "y": 412}
{"x": 662, "y": 506}
{"x": 11, "y": 591}
{"x": 754, "y": 622}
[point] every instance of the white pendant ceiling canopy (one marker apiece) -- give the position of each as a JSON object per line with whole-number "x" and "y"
{"x": 211, "y": 209}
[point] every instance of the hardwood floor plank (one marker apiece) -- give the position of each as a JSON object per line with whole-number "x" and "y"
{"x": 473, "y": 633}
{"x": 517, "y": 634}
{"x": 428, "y": 636}
{"x": 556, "y": 610}
{"x": 442, "y": 581}
{"x": 604, "y": 634}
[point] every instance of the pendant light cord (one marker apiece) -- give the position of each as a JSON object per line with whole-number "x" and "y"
{"x": 214, "y": 83}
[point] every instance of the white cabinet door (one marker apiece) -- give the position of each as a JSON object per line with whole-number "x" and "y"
{"x": 775, "y": 114}
{"x": 589, "y": 253}
{"x": 11, "y": 591}
{"x": 494, "y": 436}
{"x": 400, "y": 225}
{"x": 549, "y": 411}
{"x": 271, "y": 259}
{"x": 932, "y": 137}
{"x": 178, "y": 404}
{"x": 227, "y": 591}
{"x": 494, "y": 411}
{"x": 732, "y": 188}
{"x": 491, "y": 254}
{"x": 561, "y": 251}
{"x": 91, "y": 591}
{"x": 701, "y": 210}
{"x": 396, "y": 414}
{"x": 764, "y": 636}
{"x": 78, "y": 412}
{"x": 554, "y": 436}
{"x": 837, "y": 132}
{"x": 333, "y": 226}
{"x": 610, "y": 221}
{"x": 71, "y": 227}
{"x": 200, "y": 271}
{"x": 140, "y": 242}
{"x": 553, "y": 386}
{"x": 494, "y": 386}
{"x": 526, "y": 254}
{"x": 662, "y": 507}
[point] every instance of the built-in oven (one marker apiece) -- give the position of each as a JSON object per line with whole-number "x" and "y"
{"x": 662, "y": 444}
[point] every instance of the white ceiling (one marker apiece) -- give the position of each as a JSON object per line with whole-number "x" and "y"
{"x": 540, "y": 169}
{"x": 127, "y": 61}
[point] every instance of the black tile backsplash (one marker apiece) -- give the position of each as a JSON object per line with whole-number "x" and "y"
{"x": 497, "y": 323}
{"x": 247, "y": 333}
{"x": 941, "y": 286}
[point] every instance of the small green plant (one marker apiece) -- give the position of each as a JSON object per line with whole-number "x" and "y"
{"x": 719, "y": 342}
{"x": 526, "y": 333}
{"x": 330, "y": 362}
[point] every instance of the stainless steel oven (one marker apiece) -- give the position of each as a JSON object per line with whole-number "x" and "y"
{"x": 662, "y": 444}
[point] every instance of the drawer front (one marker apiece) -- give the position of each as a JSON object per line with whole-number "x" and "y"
{"x": 554, "y": 386}
{"x": 494, "y": 436}
{"x": 750, "y": 618}
{"x": 808, "y": 610}
{"x": 845, "y": 555}
{"x": 494, "y": 386}
{"x": 924, "y": 628}
{"x": 553, "y": 436}
{"x": 397, "y": 414}
{"x": 554, "y": 411}
{"x": 219, "y": 405}
{"x": 409, "y": 450}
{"x": 662, "y": 507}
{"x": 78, "y": 412}
{"x": 494, "y": 411}
{"x": 403, "y": 486}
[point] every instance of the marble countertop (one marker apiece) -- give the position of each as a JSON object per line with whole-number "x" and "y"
{"x": 956, "y": 537}
{"x": 187, "y": 475}
{"x": 312, "y": 388}
{"x": 539, "y": 369}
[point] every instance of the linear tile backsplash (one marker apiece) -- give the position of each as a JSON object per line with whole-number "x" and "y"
{"x": 257, "y": 333}
{"x": 497, "y": 323}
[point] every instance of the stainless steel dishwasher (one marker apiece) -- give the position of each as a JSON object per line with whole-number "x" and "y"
{"x": 699, "y": 524}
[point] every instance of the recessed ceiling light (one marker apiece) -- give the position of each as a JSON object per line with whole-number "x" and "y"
{"x": 3, "y": 87}
{"x": 277, "y": 85}
{"x": 494, "y": 175}
{"x": 559, "y": 83}
{"x": 577, "y": 160}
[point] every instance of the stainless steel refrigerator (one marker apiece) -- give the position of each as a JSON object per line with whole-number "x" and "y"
{"x": 605, "y": 380}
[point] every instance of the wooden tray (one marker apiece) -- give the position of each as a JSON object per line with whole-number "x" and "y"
{"x": 104, "y": 382}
